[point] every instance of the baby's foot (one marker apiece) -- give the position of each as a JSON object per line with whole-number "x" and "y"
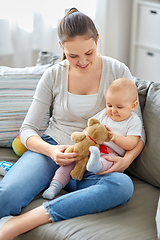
{"x": 53, "y": 190}
{"x": 94, "y": 164}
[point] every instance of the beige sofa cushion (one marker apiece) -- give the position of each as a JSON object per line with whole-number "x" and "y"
{"x": 147, "y": 164}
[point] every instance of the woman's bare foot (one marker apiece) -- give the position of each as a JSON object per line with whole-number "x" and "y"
{"x": 23, "y": 223}
{"x": 5, "y": 231}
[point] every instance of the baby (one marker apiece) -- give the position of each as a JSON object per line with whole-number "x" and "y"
{"x": 124, "y": 126}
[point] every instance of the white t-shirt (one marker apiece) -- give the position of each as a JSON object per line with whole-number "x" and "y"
{"x": 80, "y": 104}
{"x": 130, "y": 126}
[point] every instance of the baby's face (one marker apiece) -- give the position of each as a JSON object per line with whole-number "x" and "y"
{"x": 118, "y": 105}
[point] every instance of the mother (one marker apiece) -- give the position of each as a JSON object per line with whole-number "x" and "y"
{"x": 76, "y": 89}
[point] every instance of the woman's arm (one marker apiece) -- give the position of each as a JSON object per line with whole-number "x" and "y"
{"x": 122, "y": 163}
{"x": 56, "y": 152}
{"x": 29, "y": 132}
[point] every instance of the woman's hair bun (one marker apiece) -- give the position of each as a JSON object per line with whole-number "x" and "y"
{"x": 72, "y": 10}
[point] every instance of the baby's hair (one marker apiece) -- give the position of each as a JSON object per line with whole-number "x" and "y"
{"x": 125, "y": 85}
{"x": 74, "y": 24}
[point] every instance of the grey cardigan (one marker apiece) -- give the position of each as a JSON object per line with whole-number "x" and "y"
{"x": 52, "y": 90}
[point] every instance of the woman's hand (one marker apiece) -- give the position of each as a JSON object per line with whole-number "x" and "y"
{"x": 56, "y": 152}
{"x": 119, "y": 164}
{"x": 122, "y": 163}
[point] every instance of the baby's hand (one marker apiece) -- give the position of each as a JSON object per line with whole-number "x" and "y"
{"x": 111, "y": 134}
{"x": 107, "y": 128}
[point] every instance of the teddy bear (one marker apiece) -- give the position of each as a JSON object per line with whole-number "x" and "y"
{"x": 94, "y": 135}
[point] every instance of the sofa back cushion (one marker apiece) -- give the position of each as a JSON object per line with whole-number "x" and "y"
{"x": 16, "y": 92}
{"x": 147, "y": 165}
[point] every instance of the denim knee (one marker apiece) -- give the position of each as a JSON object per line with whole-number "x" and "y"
{"x": 127, "y": 184}
{"x": 121, "y": 184}
{"x": 9, "y": 202}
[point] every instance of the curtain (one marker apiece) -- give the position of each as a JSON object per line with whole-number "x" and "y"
{"x": 113, "y": 19}
{"x": 28, "y": 27}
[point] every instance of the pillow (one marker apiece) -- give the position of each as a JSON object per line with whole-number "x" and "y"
{"x": 142, "y": 88}
{"x": 147, "y": 165}
{"x": 16, "y": 92}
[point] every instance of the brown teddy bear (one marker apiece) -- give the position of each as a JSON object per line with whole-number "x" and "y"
{"x": 94, "y": 135}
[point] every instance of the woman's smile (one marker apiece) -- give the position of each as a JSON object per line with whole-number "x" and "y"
{"x": 84, "y": 66}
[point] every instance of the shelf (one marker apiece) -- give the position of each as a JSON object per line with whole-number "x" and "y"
{"x": 149, "y": 3}
{"x": 145, "y": 40}
{"x": 151, "y": 47}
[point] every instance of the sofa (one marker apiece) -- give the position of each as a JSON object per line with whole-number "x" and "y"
{"x": 133, "y": 220}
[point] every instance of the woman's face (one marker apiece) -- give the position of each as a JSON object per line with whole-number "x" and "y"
{"x": 81, "y": 53}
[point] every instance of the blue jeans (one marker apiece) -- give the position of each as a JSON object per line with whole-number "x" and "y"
{"x": 33, "y": 172}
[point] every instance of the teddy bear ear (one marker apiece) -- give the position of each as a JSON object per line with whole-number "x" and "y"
{"x": 92, "y": 121}
{"x": 78, "y": 136}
